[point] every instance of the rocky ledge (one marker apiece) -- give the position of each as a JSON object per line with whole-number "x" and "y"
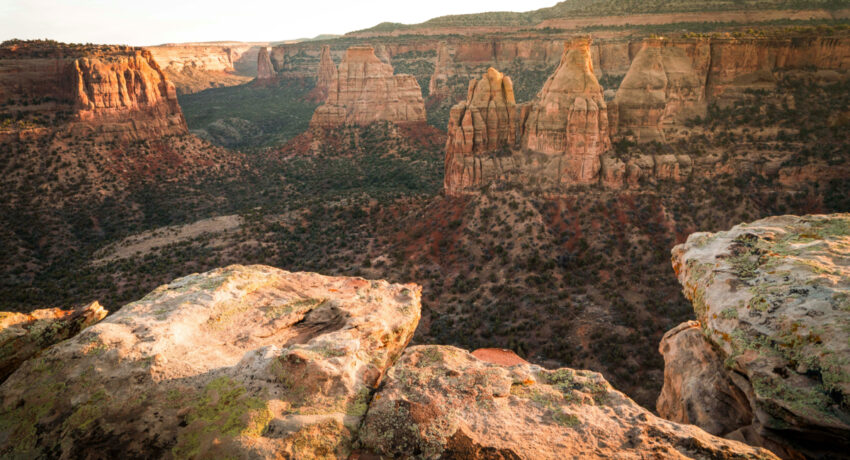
{"x": 769, "y": 360}
{"x": 243, "y": 361}
{"x": 256, "y": 362}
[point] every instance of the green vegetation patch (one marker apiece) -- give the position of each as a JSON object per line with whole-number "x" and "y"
{"x": 221, "y": 411}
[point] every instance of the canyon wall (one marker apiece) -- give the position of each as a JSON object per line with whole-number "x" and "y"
{"x": 365, "y": 90}
{"x": 111, "y": 92}
{"x": 671, "y": 81}
{"x": 195, "y": 67}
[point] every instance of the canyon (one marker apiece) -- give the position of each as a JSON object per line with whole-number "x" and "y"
{"x": 194, "y": 67}
{"x": 519, "y": 184}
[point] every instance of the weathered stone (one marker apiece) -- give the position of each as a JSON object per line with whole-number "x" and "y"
{"x": 24, "y": 335}
{"x": 665, "y": 84}
{"x": 773, "y": 300}
{"x": 264, "y": 65}
{"x": 241, "y": 361}
{"x": 442, "y": 402}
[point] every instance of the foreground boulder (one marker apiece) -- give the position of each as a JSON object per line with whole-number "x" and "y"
{"x": 442, "y": 402}
{"x": 238, "y": 362}
{"x": 773, "y": 303}
{"x": 24, "y": 335}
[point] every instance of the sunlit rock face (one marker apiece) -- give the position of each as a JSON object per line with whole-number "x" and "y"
{"x": 240, "y": 361}
{"x": 481, "y": 129}
{"x": 364, "y": 90}
{"x": 665, "y": 84}
{"x": 772, "y": 299}
{"x": 443, "y": 402}
{"x": 111, "y": 92}
{"x": 568, "y": 121}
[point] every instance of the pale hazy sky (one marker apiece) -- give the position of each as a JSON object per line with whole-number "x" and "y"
{"x": 150, "y": 22}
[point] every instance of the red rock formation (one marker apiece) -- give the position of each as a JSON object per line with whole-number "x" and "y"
{"x": 741, "y": 64}
{"x": 569, "y": 118}
{"x": 110, "y": 92}
{"x": 484, "y": 125}
{"x": 264, "y": 65}
{"x": 364, "y": 90}
{"x": 324, "y": 76}
{"x": 666, "y": 83}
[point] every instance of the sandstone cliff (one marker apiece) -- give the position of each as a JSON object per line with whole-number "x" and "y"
{"x": 194, "y": 67}
{"x": 264, "y": 65}
{"x": 771, "y": 298}
{"x": 364, "y": 90}
{"x": 25, "y": 335}
{"x": 481, "y": 128}
{"x": 324, "y": 76}
{"x": 111, "y": 92}
{"x": 568, "y": 122}
{"x": 443, "y": 402}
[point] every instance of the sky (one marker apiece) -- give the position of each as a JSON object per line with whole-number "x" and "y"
{"x": 151, "y": 22}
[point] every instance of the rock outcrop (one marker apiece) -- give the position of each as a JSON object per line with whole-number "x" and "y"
{"x": 481, "y": 129}
{"x": 773, "y": 302}
{"x": 324, "y": 76}
{"x": 568, "y": 122}
{"x": 665, "y": 84}
{"x": 442, "y": 402}
{"x": 364, "y": 90}
{"x": 241, "y": 361}
{"x": 264, "y": 65}
{"x": 109, "y": 91}
{"x": 24, "y": 335}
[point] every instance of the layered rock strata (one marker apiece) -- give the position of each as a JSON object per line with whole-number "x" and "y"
{"x": 111, "y": 92}
{"x": 773, "y": 303}
{"x": 241, "y": 361}
{"x": 481, "y": 129}
{"x": 442, "y": 402}
{"x": 194, "y": 67}
{"x": 567, "y": 125}
{"x": 25, "y": 335}
{"x": 364, "y": 90}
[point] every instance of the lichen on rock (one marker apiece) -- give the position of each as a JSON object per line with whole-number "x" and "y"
{"x": 771, "y": 298}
